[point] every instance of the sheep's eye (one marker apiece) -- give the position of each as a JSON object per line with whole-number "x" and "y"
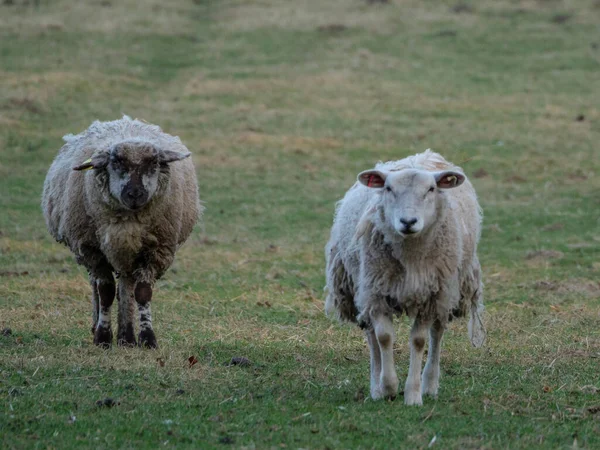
{"x": 388, "y": 189}
{"x": 431, "y": 189}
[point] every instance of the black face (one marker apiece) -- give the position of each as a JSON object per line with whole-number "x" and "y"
{"x": 133, "y": 175}
{"x": 134, "y": 194}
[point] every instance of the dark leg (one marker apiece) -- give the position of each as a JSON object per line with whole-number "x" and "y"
{"x": 106, "y": 292}
{"x": 126, "y": 334}
{"x": 101, "y": 281}
{"x": 95, "y": 303}
{"x": 143, "y": 296}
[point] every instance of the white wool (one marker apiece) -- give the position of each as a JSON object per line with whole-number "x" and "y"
{"x": 374, "y": 272}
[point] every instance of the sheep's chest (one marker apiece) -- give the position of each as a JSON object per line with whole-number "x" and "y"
{"x": 122, "y": 242}
{"x": 410, "y": 289}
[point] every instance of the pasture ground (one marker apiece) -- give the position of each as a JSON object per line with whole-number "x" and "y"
{"x": 282, "y": 104}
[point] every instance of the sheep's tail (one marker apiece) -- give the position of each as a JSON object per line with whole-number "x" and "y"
{"x": 476, "y": 327}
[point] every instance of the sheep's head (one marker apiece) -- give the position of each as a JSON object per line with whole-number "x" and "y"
{"x": 410, "y": 198}
{"x": 133, "y": 170}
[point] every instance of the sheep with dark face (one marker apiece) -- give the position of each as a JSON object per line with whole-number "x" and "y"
{"x": 404, "y": 241}
{"x": 123, "y": 197}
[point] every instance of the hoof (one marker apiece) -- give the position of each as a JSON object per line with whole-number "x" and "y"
{"x": 147, "y": 339}
{"x": 413, "y": 399}
{"x": 389, "y": 387}
{"x": 382, "y": 393}
{"x": 376, "y": 394}
{"x": 431, "y": 392}
{"x": 126, "y": 338}
{"x": 103, "y": 337}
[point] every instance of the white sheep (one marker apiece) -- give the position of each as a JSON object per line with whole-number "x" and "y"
{"x": 404, "y": 241}
{"x": 127, "y": 215}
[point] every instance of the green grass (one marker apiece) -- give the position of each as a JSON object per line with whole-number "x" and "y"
{"x": 281, "y": 111}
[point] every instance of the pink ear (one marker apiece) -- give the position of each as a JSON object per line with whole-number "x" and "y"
{"x": 372, "y": 178}
{"x": 449, "y": 179}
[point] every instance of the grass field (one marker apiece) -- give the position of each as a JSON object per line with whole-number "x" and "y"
{"x": 282, "y": 103}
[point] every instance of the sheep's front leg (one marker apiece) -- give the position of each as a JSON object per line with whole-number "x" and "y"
{"x": 412, "y": 388}
{"x": 143, "y": 296}
{"x": 431, "y": 373}
{"x": 375, "y": 363}
{"x": 126, "y": 334}
{"x": 106, "y": 293}
{"x": 384, "y": 332}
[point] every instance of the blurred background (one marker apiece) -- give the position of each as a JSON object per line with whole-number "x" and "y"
{"x": 282, "y": 103}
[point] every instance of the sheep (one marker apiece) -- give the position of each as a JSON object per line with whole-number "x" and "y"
{"x": 404, "y": 241}
{"x": 123, "y": 197}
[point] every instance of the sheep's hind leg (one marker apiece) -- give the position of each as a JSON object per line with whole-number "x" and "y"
{"x": 431, "y": 374}
{"x": 412, "y": 388}
{"x": 375, "y": 363}
{"x": 126, "y": 334}
{"x": 106, "y": 293}
{"x": 384, "y": 332}
{"x": 95, "y": 303}
{"x": 143, "y": 296}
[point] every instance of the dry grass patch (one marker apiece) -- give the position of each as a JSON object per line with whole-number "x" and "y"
{"x": 151, "y": 17}
{"x": 336, "y": 16}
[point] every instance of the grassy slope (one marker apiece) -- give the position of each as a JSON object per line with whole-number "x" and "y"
{"x": 281, "y": 111}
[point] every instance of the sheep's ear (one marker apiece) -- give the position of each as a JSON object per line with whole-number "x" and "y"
{"x": 99, "y": 161}
{"x": 372, "y": 178}
{"x": 168, "y": 156}
{"x": 448, "y": 179}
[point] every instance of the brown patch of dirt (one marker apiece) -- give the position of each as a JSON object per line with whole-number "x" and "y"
{"x": 543, "y": 255}
{"x": 553, "y": 227}
{"x": 561, "y": 18}
{"x": 480, "y": 173}
{"x": 578, "y": 175}
{"x": 26, "y": 104}
{"x": 544, "y": 285}
{"x": 446, "y": 33}
{"x": 462, "y": 8}
{"x": 516, "y": 179}
{"x": 54, "y": 26}
{"x": 332, "y": 28}
{"x": 8, "y": 273}
{"x": 579, "y": 286}
{"x": 580, "y": 353}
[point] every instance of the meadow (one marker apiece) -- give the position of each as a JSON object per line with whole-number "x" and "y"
{"x": 282, "y": 104}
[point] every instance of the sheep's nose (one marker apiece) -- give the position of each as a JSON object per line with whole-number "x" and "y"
{"x": 409, "y": 222}
{"x": 135, "y": 194}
